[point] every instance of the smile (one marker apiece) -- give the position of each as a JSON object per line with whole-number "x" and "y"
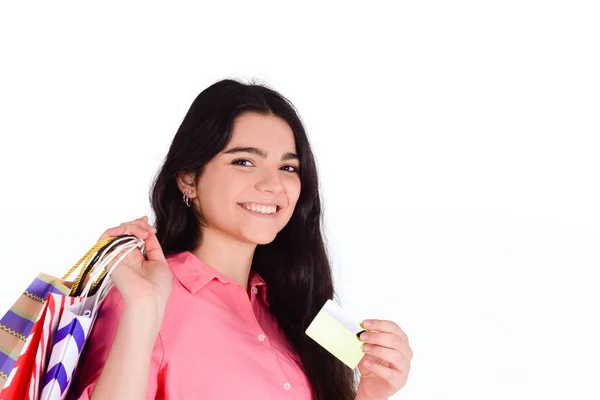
{"x": 261, "y": 209}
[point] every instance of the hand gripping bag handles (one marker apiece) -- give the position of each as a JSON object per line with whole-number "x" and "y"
{"x": 76, "y": 323}
{"x": 63, "y": 310}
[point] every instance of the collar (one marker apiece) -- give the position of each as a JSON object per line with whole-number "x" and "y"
{"x": 193, "y": 274}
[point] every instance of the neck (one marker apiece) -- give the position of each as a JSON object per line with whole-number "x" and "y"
{"x": 223, "y": 253}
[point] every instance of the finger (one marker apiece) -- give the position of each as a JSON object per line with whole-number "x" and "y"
{"x": 394, "y": 377}
{"x": 119, "y": 230}
{"x": 381, "y": 325}
{"x": 395, "y": 357}
{"x": 388, "y": 340}
{"x": 126, "y": 230}
{"x": 141, "y": 223}
{"x": 153, "y": 250}
{"x": 137, "y": 231}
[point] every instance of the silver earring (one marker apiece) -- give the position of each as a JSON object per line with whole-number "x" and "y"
{"x": 186, "y": 199}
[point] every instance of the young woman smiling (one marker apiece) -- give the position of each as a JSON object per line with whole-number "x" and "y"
{"x": 235, "y": 270}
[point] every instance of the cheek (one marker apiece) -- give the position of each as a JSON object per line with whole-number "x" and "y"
{"x": 217, "y": 198}
{"x": 292, "y": 191}
{"x": 209, "y": 206}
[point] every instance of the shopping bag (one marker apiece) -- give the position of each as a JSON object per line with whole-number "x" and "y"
{"x": 17, "y": 324}
{"x": 75, "y": 325}
{"x": 30, "y": 366}
{"x": 21, "y": 366}
{"x": 28, "y": 369}
{"x": 71, "y": 335}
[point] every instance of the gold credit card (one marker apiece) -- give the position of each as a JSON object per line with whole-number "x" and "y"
{"x": 337, "y": 332}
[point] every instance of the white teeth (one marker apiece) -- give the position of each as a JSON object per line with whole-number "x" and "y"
{"x": 260, "y": 208}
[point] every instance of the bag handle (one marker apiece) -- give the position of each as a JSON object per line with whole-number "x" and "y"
{"x": 123, "y": 244}
{"x": 83, "y": 261}
{"x": 92, "y": 264}
{"x": 107, "y": 283}
{"x": 114, "y": 249}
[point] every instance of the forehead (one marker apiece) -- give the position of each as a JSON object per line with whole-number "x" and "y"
{"x": 265, "y": 131}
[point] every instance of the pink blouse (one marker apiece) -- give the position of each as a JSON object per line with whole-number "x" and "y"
{"x": 215, "y": 342}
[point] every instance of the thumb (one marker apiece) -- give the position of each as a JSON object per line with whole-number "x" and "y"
{"x": 153, "y": 250}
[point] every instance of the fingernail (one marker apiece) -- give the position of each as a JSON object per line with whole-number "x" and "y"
{"x": 366, "y": 347}
{"x": 364, "y": 336}
{"x": 366, "y": 324}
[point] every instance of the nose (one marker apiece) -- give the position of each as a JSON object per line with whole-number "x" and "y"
{"x": 269, "y": 182}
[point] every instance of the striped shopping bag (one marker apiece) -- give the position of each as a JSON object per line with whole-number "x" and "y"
{"x": 76, "y": 323}
{"x": 32, "y": 363}
{"x": 16, "y": 325}
{"x": 57, "y": 299}
{"x": 71, "y": 335}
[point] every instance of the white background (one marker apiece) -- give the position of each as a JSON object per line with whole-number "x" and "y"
{"x": 457, "y": 144}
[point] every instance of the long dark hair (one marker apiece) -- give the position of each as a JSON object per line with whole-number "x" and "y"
{"x": 295, "y": 265}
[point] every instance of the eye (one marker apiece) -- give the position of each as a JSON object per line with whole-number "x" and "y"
{"x": 290, "y": 168}
{"x": 241, "y": 162}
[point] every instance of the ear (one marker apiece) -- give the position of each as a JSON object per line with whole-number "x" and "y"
{"x": 186, "y": 183}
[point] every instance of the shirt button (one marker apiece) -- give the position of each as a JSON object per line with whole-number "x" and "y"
{"x": 287, "y": 386}
{"x": 255, "y": 290}
{"x": 261, "y": 337}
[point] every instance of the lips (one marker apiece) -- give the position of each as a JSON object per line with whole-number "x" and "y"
{"x": 264, "y": 208}
{"x": 261, "y": 209}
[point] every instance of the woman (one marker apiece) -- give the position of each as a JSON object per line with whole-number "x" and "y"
{"x": 235, "y": 271}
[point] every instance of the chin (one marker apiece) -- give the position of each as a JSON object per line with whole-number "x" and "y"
{"x": 260, "y": 239}
{"x": 264, "y": 240}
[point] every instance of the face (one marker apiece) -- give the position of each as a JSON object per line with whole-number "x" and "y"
{"x": 250, "y": 189}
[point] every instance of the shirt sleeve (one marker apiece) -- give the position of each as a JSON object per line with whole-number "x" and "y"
{"x": 98, "y": 345}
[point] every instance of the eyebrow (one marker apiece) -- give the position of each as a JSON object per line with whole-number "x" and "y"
{"x": 260, "y": 153}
